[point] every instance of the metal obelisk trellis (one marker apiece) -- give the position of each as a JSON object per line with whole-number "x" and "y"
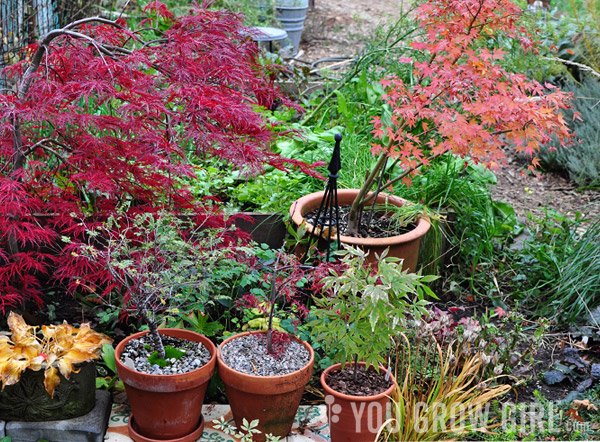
{"x": 328, "y": 215}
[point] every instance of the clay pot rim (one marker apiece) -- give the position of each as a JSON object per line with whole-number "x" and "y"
{"x": 422, "y": 227}
{"x": 349, "y": 397}
{"x": 212, "y": 349}
{"x": 282, "y": 377}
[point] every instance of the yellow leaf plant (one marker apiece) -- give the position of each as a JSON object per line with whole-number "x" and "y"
{"x": 54, "y": 348}
{"x": 440, "y": 395}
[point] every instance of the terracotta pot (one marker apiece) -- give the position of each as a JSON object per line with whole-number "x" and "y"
{"x": 273, "y": 400}
{"x": 405, "y": 246}
{"x": 354, "y": 418}
{"x": 167, "y": 407}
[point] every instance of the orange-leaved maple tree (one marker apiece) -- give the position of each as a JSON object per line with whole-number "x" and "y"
{"x": 462, "y": 100}
{"x": 106, "y": 119}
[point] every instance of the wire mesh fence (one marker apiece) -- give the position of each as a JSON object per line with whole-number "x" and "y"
{"x": 23, "y": 22}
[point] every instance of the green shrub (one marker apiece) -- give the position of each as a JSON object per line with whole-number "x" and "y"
{"x": 582, "y": 161}
{"x": 578, "y": 287}
{"x": 557, "y": 272}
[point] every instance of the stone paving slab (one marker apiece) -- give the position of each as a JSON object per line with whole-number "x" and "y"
{"x": 310, "y": 424}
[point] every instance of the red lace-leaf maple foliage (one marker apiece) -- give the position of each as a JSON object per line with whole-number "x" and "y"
{"x": 105, "y": 119}
{"x": 464, "y": 101}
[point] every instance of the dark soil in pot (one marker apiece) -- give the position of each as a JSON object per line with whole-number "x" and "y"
{"x": 248, "y": 354}
{"x": 137, "y": 352}
{"x": 367, "y": 383}
{"x": 382, "y": 225}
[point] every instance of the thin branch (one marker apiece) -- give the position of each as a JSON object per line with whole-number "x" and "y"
{"x": 474, "y": 17}
{"x": 106, "y": 50}
{"x": 123, "y": 9}
{"x": 158, "y": 40}
{"x": 404, "y": 174}
{"x": 44, "y": 141}
{"x": 59, "y": 156}
{"x": 579, "y": 65}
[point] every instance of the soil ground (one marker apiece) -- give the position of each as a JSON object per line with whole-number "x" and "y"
{"x": 341, "y": 27}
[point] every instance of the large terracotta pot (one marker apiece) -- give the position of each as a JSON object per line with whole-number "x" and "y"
{"x": 166, "y": 407}
{"x": 273, "y": 400}
{"x": 405, "y": 246}
{"x": 354, "y": 418}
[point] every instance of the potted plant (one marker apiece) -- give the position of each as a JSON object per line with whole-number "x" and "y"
{"x": 48, "y": 373}
{"x": 291, "y": 14}
{"x": 403, "y": 245}
{"x": 458, "y": 99}
{"x": 265, "y": 372}
{"x": 367, "y": 307}
{"x": 159, "y": 263}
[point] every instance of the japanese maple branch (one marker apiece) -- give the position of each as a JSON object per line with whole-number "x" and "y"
{"x": 28, "y": 76}
{"x": 59, "y": 156}
{"x": 406, "y": 172}
{"x": 41, "y": 144}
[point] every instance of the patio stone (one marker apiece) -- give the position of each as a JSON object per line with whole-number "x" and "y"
{"x": 310, "y": 424}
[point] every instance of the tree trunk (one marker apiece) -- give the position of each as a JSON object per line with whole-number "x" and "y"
{"x": 357, "y": 206}
{"x": 154, "y": 335}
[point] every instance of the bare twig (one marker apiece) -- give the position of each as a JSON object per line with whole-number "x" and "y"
{"x": 573, "y": 63}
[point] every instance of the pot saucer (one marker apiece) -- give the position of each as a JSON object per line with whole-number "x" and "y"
{"x": 192, "y": 437}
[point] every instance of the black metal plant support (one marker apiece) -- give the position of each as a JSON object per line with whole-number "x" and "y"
{"x": 328, "y": 215}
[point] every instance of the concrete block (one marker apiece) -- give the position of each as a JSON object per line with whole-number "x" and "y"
{"x": 87, "y": 428}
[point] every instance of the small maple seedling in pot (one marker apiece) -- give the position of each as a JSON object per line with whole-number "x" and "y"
{"x": 284, "y": 283}
{"x": 362, "y": 308}
{"x": 157, "y": 263}
{"x": 285, "y": 274}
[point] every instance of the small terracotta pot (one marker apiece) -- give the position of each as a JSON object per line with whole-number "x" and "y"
{"x": 405, "y": 246}
{"x": 354, "y": 418}
{"x": 273, "y": 400}
{"x": 167, "y": 407}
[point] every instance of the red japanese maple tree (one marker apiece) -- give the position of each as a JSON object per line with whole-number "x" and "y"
{"x": 462, "y": 100}
{"x": 104, "y": 118}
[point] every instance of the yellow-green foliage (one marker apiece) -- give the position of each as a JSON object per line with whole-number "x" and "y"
{"x": 587, "y": 16}
{"x": 440, "y": 394}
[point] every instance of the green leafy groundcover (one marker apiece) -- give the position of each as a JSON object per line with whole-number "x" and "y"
{"x": 170, "y": 353}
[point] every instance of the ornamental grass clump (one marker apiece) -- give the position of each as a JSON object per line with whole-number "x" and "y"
{"x": 53, "y": 348}
{"x": 441, "y": 395}
{"x": 459, "y": 98}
